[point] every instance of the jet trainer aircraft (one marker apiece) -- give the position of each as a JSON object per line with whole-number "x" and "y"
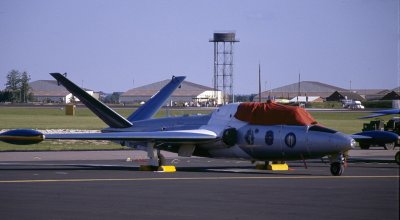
{"x": 249, "y": 131}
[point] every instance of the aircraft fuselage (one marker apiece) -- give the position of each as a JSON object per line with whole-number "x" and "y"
{"x": 251, "y": 142}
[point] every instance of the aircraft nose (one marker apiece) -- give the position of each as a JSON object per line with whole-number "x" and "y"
{"x": 346, "y": 142}
{"x": 353, "y": 143}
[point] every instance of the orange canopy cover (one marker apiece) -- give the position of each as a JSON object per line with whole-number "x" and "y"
{"x": 271, "y": 113}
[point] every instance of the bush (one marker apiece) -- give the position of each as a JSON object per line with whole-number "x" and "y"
{"x": 329, "y": 104}
{"x": 6, "y": 96}
{"x": 378, "y": 104}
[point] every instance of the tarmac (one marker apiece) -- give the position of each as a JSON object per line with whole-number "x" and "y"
{"x": 109, "y": 185}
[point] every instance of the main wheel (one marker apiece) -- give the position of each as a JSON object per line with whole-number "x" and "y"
{"x": 397, "y": 157}
{"x": 337, "y": 168}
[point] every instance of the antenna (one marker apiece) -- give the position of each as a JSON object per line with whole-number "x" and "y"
{"x": 298, "y": 92}
{"x": 350, "y": 87}
{"x": 259, "y": 82}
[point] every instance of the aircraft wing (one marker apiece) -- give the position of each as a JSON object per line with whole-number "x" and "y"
{"x": 357, "y": 137}
{"x": 376, "y": 137}
{"x": 180, "y": 136}
{"x": 382, "y": 113}
{"x": 156, "y": 136}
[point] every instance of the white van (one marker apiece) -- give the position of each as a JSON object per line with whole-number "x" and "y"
{"x": 352, "y": 104}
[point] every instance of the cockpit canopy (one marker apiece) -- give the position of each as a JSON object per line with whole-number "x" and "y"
{"x": 321, "y": 129}
{"x": 272, "y": 113}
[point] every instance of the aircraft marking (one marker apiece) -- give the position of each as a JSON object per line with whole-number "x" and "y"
{"x": 249, "y": 137}
{"x": 290, "y": 140}
{"x": 269, "y": 137}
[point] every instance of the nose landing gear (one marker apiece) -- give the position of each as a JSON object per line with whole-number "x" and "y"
{"x": 337, "y": 164}
{"x": 337, "y": 168}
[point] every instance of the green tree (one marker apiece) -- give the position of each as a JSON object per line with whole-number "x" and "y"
{"x": 112, "y": 98}
{"x": 13, "y": 84}
{"x": 18, "y": 84}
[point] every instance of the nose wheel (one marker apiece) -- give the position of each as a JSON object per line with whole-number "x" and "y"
{"x": 337, "y": 164}
{"x": 337, "y": 168}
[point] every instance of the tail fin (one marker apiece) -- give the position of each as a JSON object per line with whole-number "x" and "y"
{"x": 154, "y": 104}
{"x": 109, "y": 116}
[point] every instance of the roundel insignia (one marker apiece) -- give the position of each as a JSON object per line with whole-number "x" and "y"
{"x": 269, "y": 138}
{"x": 290, "y": 140}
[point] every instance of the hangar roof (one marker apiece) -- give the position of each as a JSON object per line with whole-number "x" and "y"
{"x": 51, "y": 93}
{"x": 393, "y": 95}
{"x": 311, "y": 88}
{"x": 396, "y": 89}
{"x": 49, "y": 88}
{"x": 308, "y": 86}
{"x": 46, "y": 85}
{"x": 188, "y": 89}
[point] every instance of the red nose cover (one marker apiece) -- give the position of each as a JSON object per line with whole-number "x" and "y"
{"x": 272, "y": 113}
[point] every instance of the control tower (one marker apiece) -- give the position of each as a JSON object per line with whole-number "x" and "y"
{"x": 223, "y": 65}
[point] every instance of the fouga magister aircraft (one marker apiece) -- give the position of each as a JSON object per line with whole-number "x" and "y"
{"x": 249, "y": 131}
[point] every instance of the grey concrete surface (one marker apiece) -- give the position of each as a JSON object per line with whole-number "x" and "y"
{"x": 202, "y": 188}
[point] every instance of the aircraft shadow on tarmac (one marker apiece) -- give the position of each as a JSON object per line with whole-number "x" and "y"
{"x": 195, "y": 165}
{"x": 189, "y": 169}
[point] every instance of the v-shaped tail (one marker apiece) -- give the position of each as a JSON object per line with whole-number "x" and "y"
{"x": 109, "y": 116}
{"x": 154, "y": 104}
{"x": 112, "y": 118}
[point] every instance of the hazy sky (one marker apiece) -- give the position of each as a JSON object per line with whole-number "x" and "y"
{"x": 116, "y": 45}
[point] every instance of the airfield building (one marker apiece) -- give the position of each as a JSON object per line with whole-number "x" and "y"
{"x": 344, "y": 95}
{"x": 324, "y": 91}
{"x": 48, "y": 91}
{"x": 393, "y": 95}
{"x": 307, "y": 88}
{"x": 371, "y": 94}
{"x": 306, "y": 99}
{"x": 189, "y": 94}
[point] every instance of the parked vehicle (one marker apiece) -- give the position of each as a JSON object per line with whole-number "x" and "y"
{"x": 393, "y": 125}
{"x": 352, "y": 104}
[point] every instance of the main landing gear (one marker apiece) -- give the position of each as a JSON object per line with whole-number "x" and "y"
{"x": 156, "y": 160}
{"x": 273, "y": 165}
{"x": 337, "y": 164}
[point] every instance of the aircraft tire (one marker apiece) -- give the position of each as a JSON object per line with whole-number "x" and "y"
{"x": 337, "y": 168}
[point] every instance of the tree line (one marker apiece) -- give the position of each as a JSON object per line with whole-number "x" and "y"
{"x": 17, "y": 88}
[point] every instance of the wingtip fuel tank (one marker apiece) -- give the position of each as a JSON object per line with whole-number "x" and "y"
{"x": 22, "y": 137}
